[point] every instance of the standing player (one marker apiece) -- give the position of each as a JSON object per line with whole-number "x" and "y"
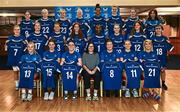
{"x": 84, "y": 24}
{"x": 39, "y": 39}
{"x": 98, "y": 39}
{"x": 59, "y": 38}
{"x": 46, "y": 23}
{"x": 152, "y": 21}
{"x": 15, "y": 46}
{"x": 118, "y": 39}
{"x": 64, "y": 23}
{"x": 150, "y": 63}
{"x": 49, "y": 67}
{"x": 79, "y": 39}
{"x": 128, "y": 56}
{"x": 26, "y": 25}
{"x": 162, "y": 46}
{"x": 111, "y": 70}
{"x": 137, "y": 37}
{"x": 129, "y": 22}
{"x": 114, "y": 19}
{"x": 71, "y": 63}
{"x": 28, "y": 67}
{"x": 97, "y": 19}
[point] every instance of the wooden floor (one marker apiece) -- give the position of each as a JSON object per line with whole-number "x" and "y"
{"x": 170, "y": 101}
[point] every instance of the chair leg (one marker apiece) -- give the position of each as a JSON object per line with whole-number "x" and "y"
{"x": 140, "y": 92}
{"x": 140, "y": 89}
{"x": 120, "y": 93}
{"x": 19, "y": 92}
{"x": 58, "y": 88}
{"x": 62, "y": 90}
{"x": 101, "y": 88}
{"x": 40, "y": 89}
{"x": 82, "y": 88}
{"x": 37, "y": 88}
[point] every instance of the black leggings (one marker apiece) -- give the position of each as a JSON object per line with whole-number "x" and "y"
{"x": 87, "y": 77}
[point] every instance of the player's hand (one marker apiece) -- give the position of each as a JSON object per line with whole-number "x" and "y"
{"x": 93, "y": 72}
{"x": 89, "y": 72}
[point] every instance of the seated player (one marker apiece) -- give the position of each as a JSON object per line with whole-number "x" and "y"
{"x": 39, "y": 39}
{"x": 71, "y": 63}
{"x": 90, "y": 71}
{"x": 28, "y": 67}
{"x": 149, "y": 56}
{"x": 59, "y": 38}
{"x": 15, "y": 46}
{"x": 129, "y": 56}
{"x": 111, "y": 69}
{"x": 161, "y": 46}
{"x": 49, "y": 67}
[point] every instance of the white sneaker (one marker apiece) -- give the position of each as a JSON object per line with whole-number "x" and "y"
{"x": 17, "y": 86}
{"x": 46, "y": 96}
{"x": 34, "y": 84}
{"x": 127, "y": 94}
{"x": 88, "y": 98}
{"x": 135, "y": 93}
{"x": 51, "y": 96}
{"x": 29, "y": 97}
{"x": 123, "y": 88}
{"x": 95, "y": 98}
{"x": 23, "y": 96}
{"x": 65, "y": 97}
{"x": 74, "y": 96}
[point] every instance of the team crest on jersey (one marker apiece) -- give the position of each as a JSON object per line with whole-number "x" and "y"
{"x": 87, "y": 16}
{"x": 87, "y": 10}
{"x": 105, "y": 9}
{"x": 69, "y": 9}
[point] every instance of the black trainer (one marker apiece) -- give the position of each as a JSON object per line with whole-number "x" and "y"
{"x": 164, "y": 87}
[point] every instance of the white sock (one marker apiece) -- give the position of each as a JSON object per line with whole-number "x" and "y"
{"x": 23, "y": 91}
{"x": 88, "y": 92}
{"x": 65, "y": 92}
{"x": 17, "y": 83}
{"x": 30, "y": 91}
{"x": 75, "y": 92}
{"x": 95, "y": 92}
